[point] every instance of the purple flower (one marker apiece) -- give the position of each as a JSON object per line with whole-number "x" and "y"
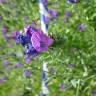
{"x": 31, "y": 29}
{"x": 40, "y": 41}
{"x": 62, "y": 87}
{"x": 15, "y": 34}
{"x": 23, "y": 40}
{"x": 27, "y": 73}
{"x": 6, "y": 63}
{"x": 45, "y": 2}
{"x": 29, "y": 50}
{"x": 17, "y": 37}
{"x": 73, "y": 1}
{"x": 28, "y": 60}
{"x": 53, "y": 13}
{"x": 46, "y": 20}
{"x": 68, "y": 14}
{"x": 5, "y": 29}
{"x": 82, "y": 27}
{"x": 19, "y": 65}
{"x": 2, "y": 1}
{"x": 3, "y": 80}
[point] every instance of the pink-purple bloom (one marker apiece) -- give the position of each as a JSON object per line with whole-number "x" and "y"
{"x": 45, "y": 2}
{"x": 62, "y": 87}
{"x": 5, "y": 34}
{"x": 15, "y": 34}
{"x": 19, "y": 65}
{"x": 53, "y": 13}
{"x": 82, "y": 28}
{"x": 40, "y": 41}
{"x": 3, "y": 80}
{"x": 34, "y": 41}
{"x": 47, "y": 20}
{"x": 68, "y": 14}
{"x": 6, "y": 63}
{"x": 28, "y": 60}
{"x": 2, "y": 1}
{"x": 27, "y": 73}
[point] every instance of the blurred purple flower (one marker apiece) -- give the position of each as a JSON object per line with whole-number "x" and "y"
{"x": 28, "y": 60}
{"x": 2, "y": 1}
{"x": 82, "y": 27}
{"x": 31, "y": 29}
{"x": 27, "y": 73}
{"x": 68, "y": 14}
{"x": 6, "y": 63}
{"x": 3, "y": 80}
{"x": 29, "y": 50}
{"x": 16, "y": 37}
{"x": 62, "y": 87}
{"x": 19, "y": 65}
{"x": 5, "y": 29}
{"x": 15, "y": 34}
{"x": 40, "y": 41}
{"x": 73, "y": 1}
{"x": 47, "y": 20}
{"x": 53, "y": 13}
{"x": 45, "y": 2}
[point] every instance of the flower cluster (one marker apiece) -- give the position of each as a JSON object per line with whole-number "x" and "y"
{"x": 73, "y": 1}
{"x": 34, "y": 41}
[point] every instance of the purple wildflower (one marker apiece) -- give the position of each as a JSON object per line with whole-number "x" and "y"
{"x": 27, "y": 73}
{"x": 2, "y": 1}
{"x": 45, "y": 2}
{"x": 15, "y": 34}
{"x": 24, "y": 40}
{"x": 82, "y": 27}
{"x": 62, "y": 87}
{"x": 73, "y": 1}
{"x": 29, "y": 50}
{"x": 31, "y": 29}
{"x": 19, "y": 65}
{"x": 53, "y": 13}
{"x": 46, "y": 20}
{"x": 40, "y": 41}
{"x": 68, "y": 14}
{"x": 6, "y": 63}
{"x": 17, "y": 37}
{"x": 3, "y": 80}
{"x": 28, "y": 60}
{"x": 5, "y": 29}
